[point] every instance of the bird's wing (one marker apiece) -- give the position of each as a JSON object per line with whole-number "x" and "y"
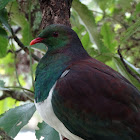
{"x": 94, "y": 100}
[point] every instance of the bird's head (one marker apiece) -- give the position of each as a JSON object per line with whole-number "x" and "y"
{"x": 55, "y": 36}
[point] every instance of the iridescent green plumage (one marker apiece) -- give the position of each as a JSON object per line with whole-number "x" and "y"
{"x": 48, "y": 71}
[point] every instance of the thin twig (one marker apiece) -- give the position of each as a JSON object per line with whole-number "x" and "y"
{"x": 19, "y": 96}
{"x": 26, "y": 94}
{"x": 22, "y": 46}
{"x": 127, "y": 68}
{"x": 15, "y": 32}
{"x": 17, "y": 51}
{"x": 20, "y": 88}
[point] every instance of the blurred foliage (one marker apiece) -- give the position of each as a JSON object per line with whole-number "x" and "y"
{"x": 102, "y": 25}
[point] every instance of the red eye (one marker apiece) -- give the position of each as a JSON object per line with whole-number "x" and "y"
{"x": 55, "y": 34}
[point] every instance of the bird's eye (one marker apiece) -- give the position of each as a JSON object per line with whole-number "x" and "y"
{"x": 55, "y": 34}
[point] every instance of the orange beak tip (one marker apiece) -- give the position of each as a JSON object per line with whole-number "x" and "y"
{"x": 36, "y": 40}
{"x": 32, "y": 42}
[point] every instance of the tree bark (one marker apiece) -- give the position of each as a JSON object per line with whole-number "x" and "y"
{"x": 55, "y": 12}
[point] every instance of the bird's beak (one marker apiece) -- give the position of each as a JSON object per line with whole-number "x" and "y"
{"x": 36, "y": 40}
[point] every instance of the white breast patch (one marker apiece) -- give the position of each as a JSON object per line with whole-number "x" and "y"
{"x": 45, "y": 110}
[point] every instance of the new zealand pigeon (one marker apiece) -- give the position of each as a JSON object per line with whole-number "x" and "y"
{"x": 80, "y": 97}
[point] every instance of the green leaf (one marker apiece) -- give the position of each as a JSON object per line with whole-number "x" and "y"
{"x": 79, "y": 29}
{"x": 130, "y": 31}
{"x": 86, "y": 40}
{"x": 14, "y": 119}
{"x": 3, "y": 42}
{"x": 3, "y": 33}
{"x": 19, "y": 18}
{"x": 87, "y": 19}
{"x": 47, "y": 132}
{"x": 4, "y": 19}
{"x": 26, "y": 33}
{"x": 108, "y": 37}
{"x": 3, "y": 3}
{"x": 137, "y": 8}
{"x": 3, "y": 46}
{"x": 88, "y": 45}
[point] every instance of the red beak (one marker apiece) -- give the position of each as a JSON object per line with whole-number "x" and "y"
{"x": 36, "y": 40}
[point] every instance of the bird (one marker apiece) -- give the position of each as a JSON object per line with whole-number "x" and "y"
{"x": 79, "y": 96}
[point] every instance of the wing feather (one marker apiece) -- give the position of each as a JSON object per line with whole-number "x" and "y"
{"x": 93, "y": 100}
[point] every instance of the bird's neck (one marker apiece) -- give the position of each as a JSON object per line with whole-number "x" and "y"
{"x": 48, "y": 72}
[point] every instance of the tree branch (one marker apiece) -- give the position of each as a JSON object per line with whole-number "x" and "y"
{"x": 19, "y": 96}
{"x": 15, "y": 32}
{"x": 22, "y": 46}
{"x": 127, "y": 68}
